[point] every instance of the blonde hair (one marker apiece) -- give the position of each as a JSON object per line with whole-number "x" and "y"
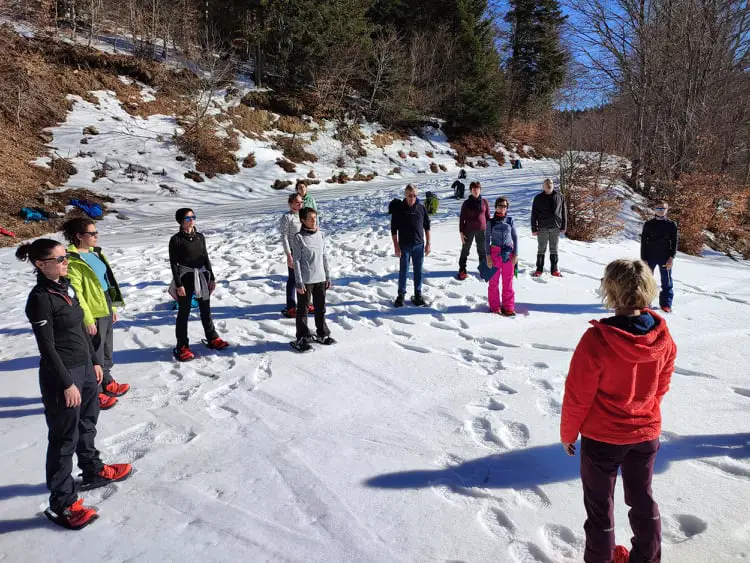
{"x": 628, "y": 285}
{"x": 410, "y": 189}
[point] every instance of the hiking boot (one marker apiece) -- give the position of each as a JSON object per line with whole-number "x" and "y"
{"x": 290, "y": 313}
{"x": 217, "y": 344}
{"x": 418, "y": 300}
{"x": 115, "y": 472}
{"x": 114, "y": 389}
{"x": 183, "y": 354}
{"x": 537, "y": 274}
{"x": 666, "y": 309}
{"x": 507, "y": 312}
{"x": 399, "y": 302}
{"x": 495, "y": 311}
{"x": 74, "y": 517}
{"x": 557, "y": 274}
{"x": 462, "y": 275}
{"x": 622, "y": 555}
{"x": 106, "y": 402}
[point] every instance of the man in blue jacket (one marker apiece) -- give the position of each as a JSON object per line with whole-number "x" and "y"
{"x": 410, "y": 231}
{"x": 658, "y": 248}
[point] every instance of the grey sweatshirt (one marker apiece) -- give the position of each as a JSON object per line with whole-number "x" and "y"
{"x": 310, "y": 257}
{"x": 289, "y": 226}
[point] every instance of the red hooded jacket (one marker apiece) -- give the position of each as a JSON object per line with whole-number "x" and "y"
{"x": 615, "y": 384}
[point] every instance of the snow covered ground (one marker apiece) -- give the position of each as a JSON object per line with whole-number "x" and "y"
{"x": 425, "y": 434}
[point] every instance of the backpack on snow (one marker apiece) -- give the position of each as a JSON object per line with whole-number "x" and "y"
{"x": 462, "y": 174}
{"x": 93, "y": 210}
{"x": 458, "y": 189}
{"x": 30, "y": 215}
{"x": 431, "y": 203}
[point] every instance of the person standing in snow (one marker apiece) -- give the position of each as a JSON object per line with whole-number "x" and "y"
{"x": 658, "y": 248}
{"x": 91, "y": 276}
{"x": 192, "y": 275}
{"x": 618, "y": 376}
{"x": 549, "y": 219}
{"x": 410, "y": 231}
{"x": 69, "y": 378}
{"x": 288, "y": 227}
{"x": 307, "y": 199}
{"x": 501, "y": 249}
{"x": 312, "y": 279}
{"x": 475, "y": 212}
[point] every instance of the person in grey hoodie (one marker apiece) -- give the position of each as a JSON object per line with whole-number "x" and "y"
{"x": 312, "y": 277}
{"x": 288, "y": 227}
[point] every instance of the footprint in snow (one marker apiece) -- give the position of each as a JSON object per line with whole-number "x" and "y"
{"x": 413, "y": 347}
{"x": 528, "y": 552}
{"x": 563, "y": 542}
{"x": 551, "y": 347}
{"x": 131, "y": 444}
{"x": 534, "y": 497}
{"x": 497, "y": 523}
{"x": 678, "y": 528}
{"x": 690, "y": 373}
{"x": 499, "y": 386}
{"x": 742, "y": 391}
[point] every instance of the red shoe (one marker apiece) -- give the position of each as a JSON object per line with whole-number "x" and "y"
{"x": 75, "y": 517}
{"x": 537, "y": 274}
{"x": 667, "y": 309}
{"x": 495, "y": 311}
{"x": 622, "y": 555}
{"x": 183, "y": 354}
{"x": 116, "y": 471}
{"x": 114, "y": 389}
{"x": 106, "y": 402}
{"x": 290, "y": 313}
{"x": 557, "y": 274}
{"x": 310, "y": 308}
{"x": 462, "y": 276}
{"x": 508, "y": 313}
{"x": 217, "y": 344}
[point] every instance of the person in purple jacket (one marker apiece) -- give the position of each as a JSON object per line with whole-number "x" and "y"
{"x": 475, "y": 212}
{"x": 501, "y": 248}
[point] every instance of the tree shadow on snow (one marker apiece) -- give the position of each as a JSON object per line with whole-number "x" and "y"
{"x": 19, "y": 401}
{"x": 19, "y": 525}
{"x": 542, "y": 465}
{"x": 8, "y": 492}
{"x": 18, "y": 413}
{"x": 562, "y": 308}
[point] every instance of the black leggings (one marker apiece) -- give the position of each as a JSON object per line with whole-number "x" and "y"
{"x": 183, "y": 313}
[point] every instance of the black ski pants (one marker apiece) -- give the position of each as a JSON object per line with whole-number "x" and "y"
{"x": 318, "y": 292}
{"x": 183, "y": 313}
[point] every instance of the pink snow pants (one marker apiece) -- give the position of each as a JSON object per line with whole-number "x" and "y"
{"x": 504, "y": 269}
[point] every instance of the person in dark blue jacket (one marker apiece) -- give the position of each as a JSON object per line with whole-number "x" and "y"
{"x": 410, "y": 231}
{"x": 658, "y": 248}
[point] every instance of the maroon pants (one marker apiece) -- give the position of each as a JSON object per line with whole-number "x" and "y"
{"x": 599, "y": 464}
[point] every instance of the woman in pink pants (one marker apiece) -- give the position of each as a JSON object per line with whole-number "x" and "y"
{"x": 501, "y": 248}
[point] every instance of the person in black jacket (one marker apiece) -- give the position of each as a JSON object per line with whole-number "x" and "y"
{"x": 410, "y": 231}
{"x": 191, "y": 274}
{"x": 69, "y": 377}
{"x": 549, "y": 219}
{"x": 658, "y": 248}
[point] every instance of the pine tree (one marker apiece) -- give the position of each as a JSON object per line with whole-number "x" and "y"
{"x": 538, "y": 61}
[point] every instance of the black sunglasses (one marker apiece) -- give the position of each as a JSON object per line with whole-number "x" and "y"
{"x": 501, "y": 205}
{"x": 58, "y": 259}
{"x": 90, "y": 233}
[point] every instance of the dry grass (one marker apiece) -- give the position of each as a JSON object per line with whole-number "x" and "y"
{"x": 413, "y": 154}
{"x": 252, "y": 122}
{"x": 443, "y": 168}
{"x": 311, "y": 174}
{"x": 293, "y": 149}
{"x": 402, "y": 154}
{"x": 286, "y": 165}
{"x": 429, "y": 154}
{"x": 213, "y": 154}
{"x": 292, "y": 124}
{"x": 433, "y": 168}
{"x": 481, "y": 163}
{"x": 281, "y": 184}
{"x": 359, "y": 177}
{"x": 249, "y": 161}
{"x": 385, "y": 138}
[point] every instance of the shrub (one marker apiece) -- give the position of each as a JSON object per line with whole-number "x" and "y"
{"x": 359, "y": 177}
{"x": 293, "y": 149}
{"x": 414, "y": 154}
{"x": 286, "y": 165}
{"x": 482, "y": 163}
{"x": 212, "y": 154}
{"x": 194, "y": 176}
{"x": 402, "y": 154}
{"x": 340, "y": 178}
{"x": 252, "y": 122}
{"x": 396, "y": 170}
{"x": 292, "y": 125}
{"x": 311, "y": 174}
{"x": 593, "y": 205}
{"x": 350, "y": 136}
{"x": 499, "y": 156}
{"x": 249, "y": 161}
{"x": 470, "y": 164}
{"x": 442, "y": 167}
{"x": 281, "y": 184}
{"x": 433, "y": 168}
{"x": 429, "y": 154}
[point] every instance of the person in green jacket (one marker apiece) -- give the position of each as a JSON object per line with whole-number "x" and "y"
{"x": 307, "y": 199}
{"x": 92, "y": 278}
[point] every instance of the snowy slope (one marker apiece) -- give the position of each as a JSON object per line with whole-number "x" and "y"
{"x": 424, "y": 435}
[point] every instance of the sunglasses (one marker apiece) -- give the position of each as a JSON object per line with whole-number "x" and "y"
{"x": 89, "y": 233}
{"x": 499, "y": 206}
{"x": 660, "y": 208}
{"x": 189, "y": 218}
{"x": 58, "y": 259}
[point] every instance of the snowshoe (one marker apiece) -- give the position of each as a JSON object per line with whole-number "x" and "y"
{"x": 106, "y": 402}
{"x": 75, "y": 517}
{"x": 325, "y": 340}
{"x": 507, "y": 313}
{"x": 536, "y": 274}
{"x": 461, "y": 275}
{"x": 289, "y": 313}
{"x": 114, "y": 389}
{"x": 183, "y": 354}
{"x": 301, "y": 345}
{"x": 557, "y": 274}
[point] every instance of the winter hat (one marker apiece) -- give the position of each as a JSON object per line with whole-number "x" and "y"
{"x": 180, "y": 214}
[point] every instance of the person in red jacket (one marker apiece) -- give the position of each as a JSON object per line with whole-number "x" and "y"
{"x": 619, "y": 374}
{"x": 475, "y": 213}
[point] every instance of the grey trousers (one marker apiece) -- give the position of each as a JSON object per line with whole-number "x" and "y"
{"x": 103, "y": 340}
{"x": 547, "y": 235}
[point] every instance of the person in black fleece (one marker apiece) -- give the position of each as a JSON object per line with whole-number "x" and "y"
{"x": 658, "y": 248}
{"x": 69, "y": 377}
{"x": 549, "y": 219}
{"x": 191, "y": 274}
{"x": 410, "y": 231}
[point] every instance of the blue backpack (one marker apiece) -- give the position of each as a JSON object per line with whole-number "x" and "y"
{"x": 31, "y": 215}
{"x": 93, "y": 210}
